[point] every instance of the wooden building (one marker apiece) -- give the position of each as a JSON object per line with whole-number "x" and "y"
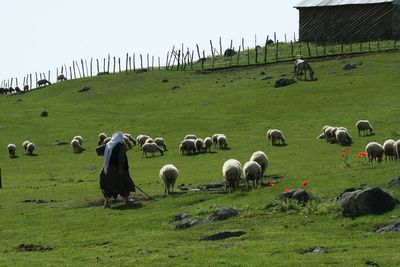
{"x": 348, "y": 20}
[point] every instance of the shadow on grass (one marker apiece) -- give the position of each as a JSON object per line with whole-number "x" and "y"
{"x": 130, "y": 206}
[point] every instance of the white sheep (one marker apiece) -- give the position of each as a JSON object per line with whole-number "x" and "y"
{"x": 222, "y": 143}
{"x": 168, "y": 175}
{"x": 106, "y": 140}
{"x": 131, "y": 139}
{"x": 215, "y": 139}
{"x": 374, "y": 151}
{"x": 102, "y": 136}
{"x": 261, "y": 158}
{"x": 11, "y": 150}
{"x": 207, "y": 144}
{"x": 389, "y": 149}
{"x": 128, "y": 144}
{"x": 231, "y": 170}
{"x": 397, "y": 149}
{"x": 343, "y": 138}
{"x": 141, "y": 139}
{"x": 199, "y": 143}
{"x": 275, "y": 135}
{"x": 151, "y": 148}
{"x": 364, "y": 126}
{"x": 188, "y": 146}
{"x": 252, "y": 171}
{"x": 161, "y": 143}
{"x": 149, "y": 140}
{"x": 29, "y": 149}
{"x": 79, "y": 138}
{"x": 76, "y": 146}
{"x": 25, "y": 145}
{"x": 190, "y": 136}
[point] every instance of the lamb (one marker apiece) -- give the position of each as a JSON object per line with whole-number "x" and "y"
{"x": 252, "y": 171}
{"x": 262, "y": 159}
{"x": 29, "y": 149}
{"x": 76, "y": 146}
{"x": 342, "y": 137}
{"x": 389, "y": 149}
{"x": 79, "y": 138}
{"x": 364, "y": 126}
{"x": 42, "y": 82}
{"x": 231, "y": 170}
{"x": 222, "y": 144}
{"x": 188, "y": 146}
{"x": 190, "y": 136}
{"x": 199, "y": 143}
{"x": 397, "y": 149}
{"x": 151, "y": 148}
{"x": 11, "y": 150}
{"x": 61, "y": 78}
{"x": 208, "y": 142}
{"x": 275, "y": 135}
{"x": 374, "y": 151}
{"x": 25, "y": 145}
{"x": 161, "y": 143}
{"x": 168, "y": 175}
{"x": 102, "y": 136}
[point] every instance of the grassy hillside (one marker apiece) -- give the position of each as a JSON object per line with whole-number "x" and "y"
{"x": 237, "y": 103}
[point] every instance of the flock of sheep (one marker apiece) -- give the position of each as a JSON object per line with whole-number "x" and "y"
{"x": 28, "y": 147}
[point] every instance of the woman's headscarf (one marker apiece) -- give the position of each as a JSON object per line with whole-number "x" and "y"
{"x": 117, "y": 137}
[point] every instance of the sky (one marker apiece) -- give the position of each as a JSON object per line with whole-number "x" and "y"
{"x": 41, "y": 35}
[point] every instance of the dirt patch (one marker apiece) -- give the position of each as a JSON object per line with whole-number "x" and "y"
{"x": 33, "y": 248}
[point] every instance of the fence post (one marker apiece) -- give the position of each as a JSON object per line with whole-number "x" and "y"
{"x": 308, "y": 48}
{"x": 248, "y": 55}
{"x": 291, "y": 49}
{"x": 148, "y": 62}
{"x": 115, "y": 64}
{"x": 141, "y": 62}
{"x": 277, "y": 50}
{"x": 179, "y": 59}
{"x": 91, "y": 63}
{"x": 134, "y": 62}
{"x": 212, "y": 53}
{"x": 325, "y": 48}
{"x": 119, "y": 64}
{"x": 202, "y": 61}
{"x": 220, "y": 46}
{"x": 266, "y": 49}
{"x": 83, "y": 68}
{"x": 159, "y": 63}
{"x": 30, "y": 78}
{"x": 342, "y": 48}
{"x": 108, "y": 64}
{"x": 126, "y": 63}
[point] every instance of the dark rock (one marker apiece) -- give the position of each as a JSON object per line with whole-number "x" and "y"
{"x": 223, "y": 235}
{"x": 317, "y": 250}
{"x": 372, "y": 263}
{"x": 262, "y": 72}
{"x": 223, "y": 214}
{"x": 84, "y": 89}
{"x": 33, "y": 248}
{"x": 266, "y": 78}
{"x": 297, "y": 194}
{"x": 367, "y": 201}
{"x": 165, "y": 81}
{"x": 44, "y": 114}
{"x": 186, "y": 223}
{"x": 284, "y": 82}
{"x": 182, "y": 215}
{"x": 395, "y": 182}
{"x": 349, "y": 66}
{"x": 175, "y": 87}
{"x": 393, "y": 227}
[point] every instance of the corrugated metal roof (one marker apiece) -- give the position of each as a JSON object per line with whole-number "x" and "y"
{"x": 316, "y": 3}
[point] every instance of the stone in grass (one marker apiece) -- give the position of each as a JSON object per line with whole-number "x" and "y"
{"x": 349, "y": 66}
{"x": 84, "y": 89}
{"x": 371, "y": 263}
{"x": 175, "y": 87}
{"x": 165, "y": 81}
{"x": 316, "y": 250}
{"x": 33, "y": 248}
{"x": 44, "y": 113}
{"x": 284, "y": 82}
{"x": 393, "y": 227}
{"x": 297, "y": 194}
{"x": 186, "y": 223}
{"x": 182, "y": 215}
{"x": 223, "y": 235}
{"x": 223, "y": 213}
{"x": 265, "y": 78}
{"x": 368, "y": 201}
{"x": 395, "y": 182}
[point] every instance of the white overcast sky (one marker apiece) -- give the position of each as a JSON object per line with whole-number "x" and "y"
{"x": 41, "y": 35}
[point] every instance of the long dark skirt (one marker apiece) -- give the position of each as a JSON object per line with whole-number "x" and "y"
{"x": 115, "y": 183}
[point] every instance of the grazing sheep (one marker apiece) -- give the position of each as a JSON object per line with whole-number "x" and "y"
{"x": 30, "y": 148}
{"x": 151, "y": 148}
{"x": 131, "y": 139}
{"x": 128, "y": 144}
{"x": 252, "y": 171}
{"x": 25, "y": 145}
{"x": 301, "y": 67}
{"x": 188, "y": 146}
{"x": 262, "y": 159}
{"x": 141, "y": 139}
{"x": 190, "y": 136}
{"x": 11, "y": 150}
{"x": 168, "y": 175}
{"x": 42, "y": 82}
{"x": 76, "y": 146}
{"x": 342, "y": 137}
{"x": 106, "y": 140}
{"x": 79, "y": 138}
{"x": 397, "y": 149}
{"x": 231, "y": 170}
{"x": 149, "y": 140}
{"x": 222, "y": 143}
{"x": 275, "y": 135}
{"x": 374, "y": 151}
{"x": 329, "y": 136}
{"x": 208, "y": 142}
{"x": 102, "y": 136}
{"x": 61, "y": 78}
{"x": 364, "y": 126}
{"x": 389, "y": 149}
{"x": 199, "y": 143}
{"x": 215, "y": 139}
{"x": 161, "y": 143}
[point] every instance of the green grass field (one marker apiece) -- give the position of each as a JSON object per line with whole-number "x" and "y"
{"x": 235, "y": 102}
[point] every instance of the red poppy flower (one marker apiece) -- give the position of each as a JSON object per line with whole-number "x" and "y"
{"x": 305, "y": 183}
{"x": 348, "y": 148}
{"x": 343, "y": 155}
{"x": 362, "y": 154}
{"x": 286, "y": 190}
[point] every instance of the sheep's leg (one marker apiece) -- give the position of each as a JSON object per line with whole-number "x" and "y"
{"x": 254, "y": 184}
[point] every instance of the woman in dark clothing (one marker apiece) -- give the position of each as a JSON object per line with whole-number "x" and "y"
{"x": 114, "y": 177}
